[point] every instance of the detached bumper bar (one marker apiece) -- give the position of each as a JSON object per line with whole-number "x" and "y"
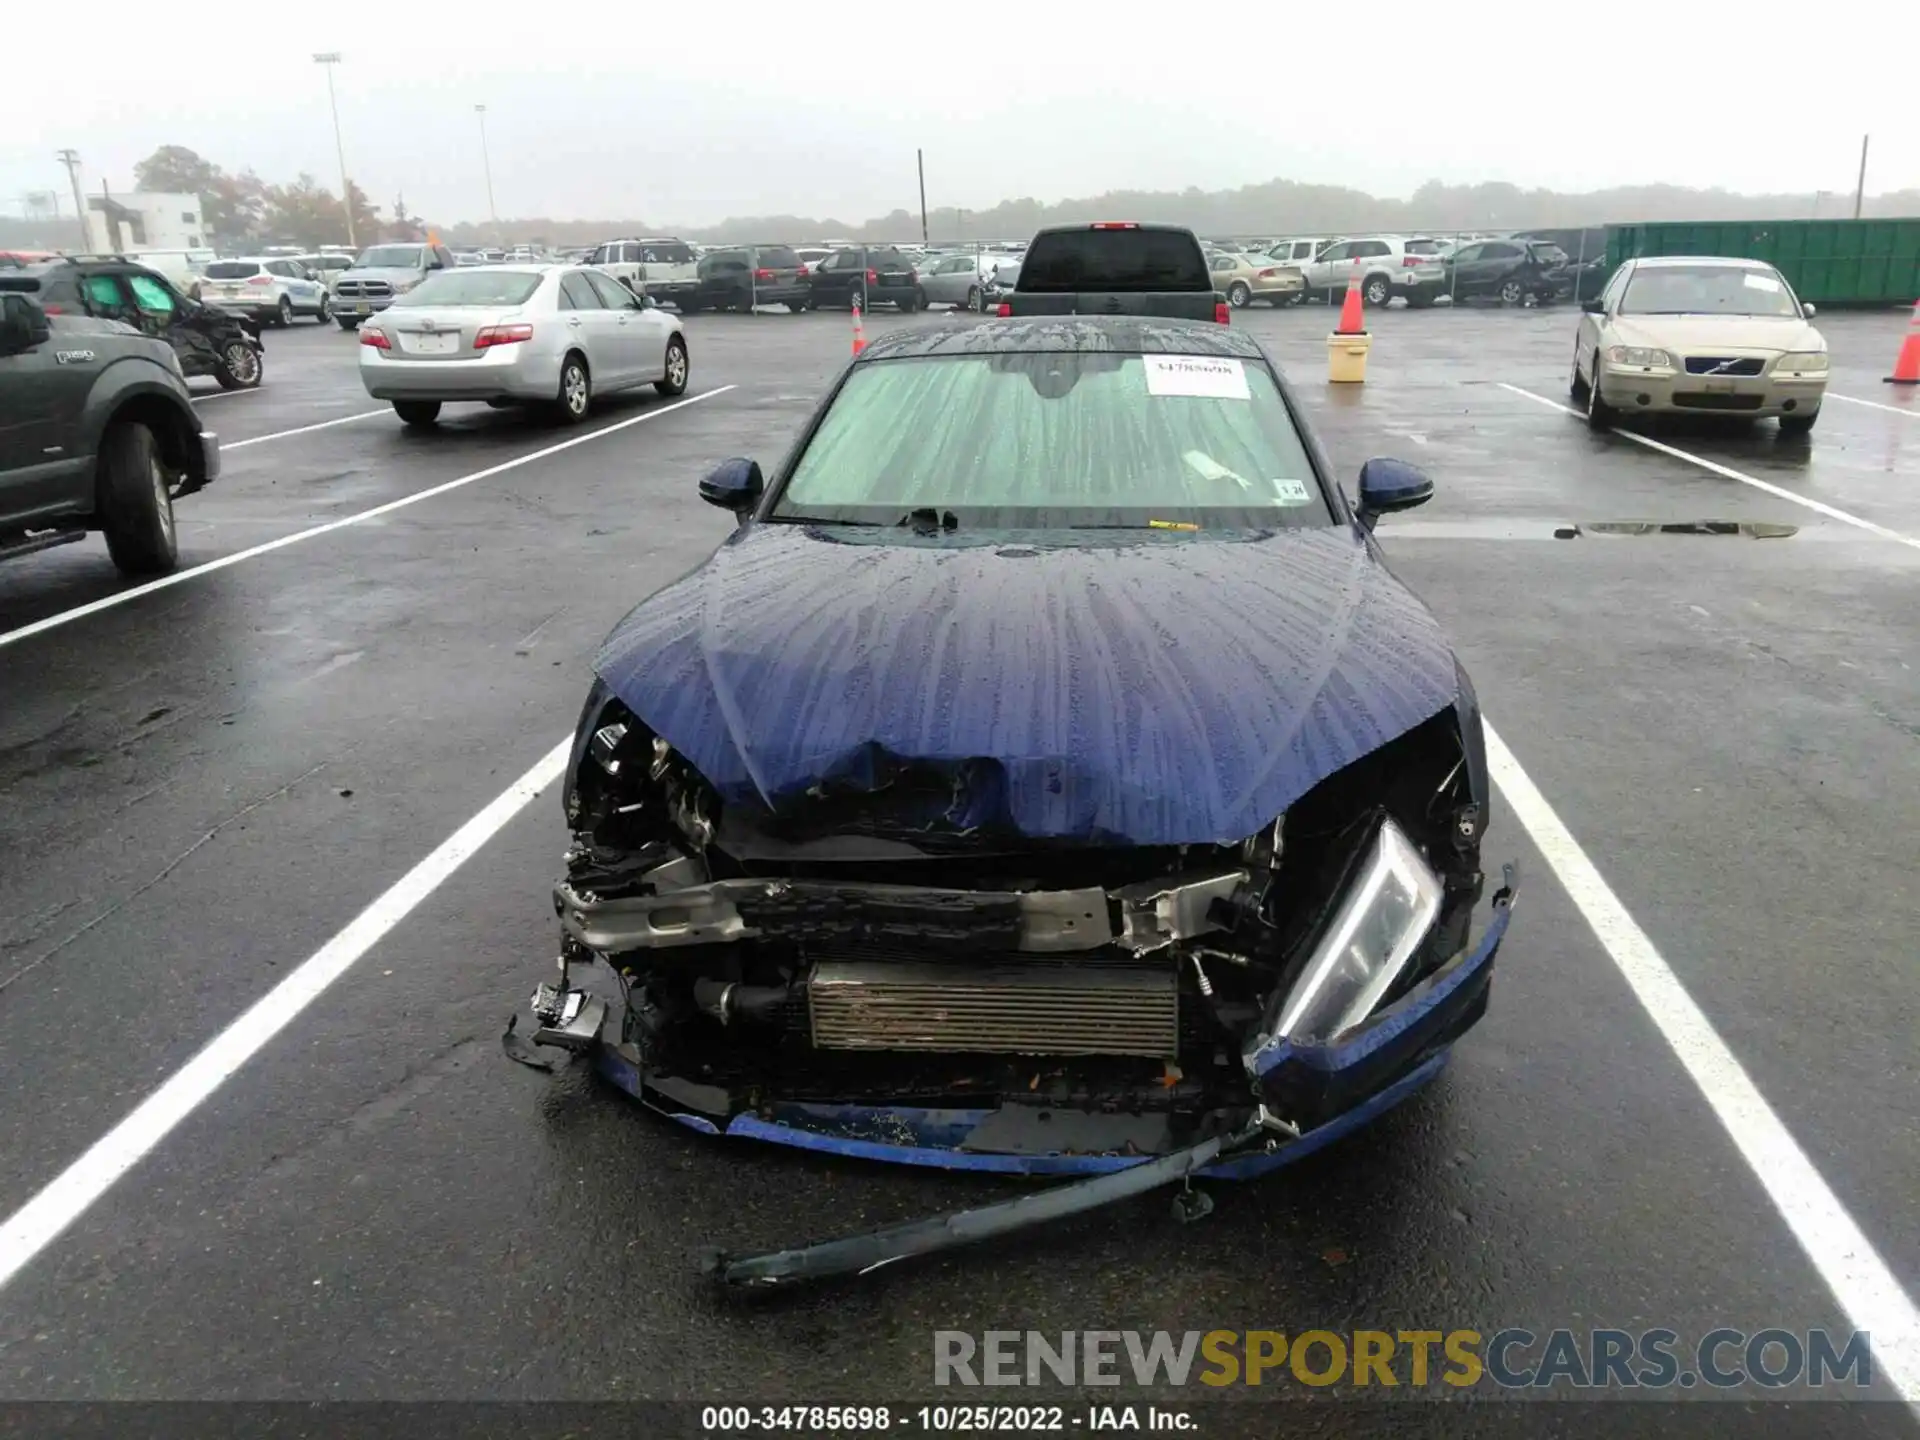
{"x": 858, "y": 1254}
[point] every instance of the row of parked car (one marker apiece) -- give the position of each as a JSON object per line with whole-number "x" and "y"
{"x": 1528, "y": 268}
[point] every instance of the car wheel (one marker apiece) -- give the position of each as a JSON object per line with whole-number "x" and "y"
{"x": 688, "y": 307}
{"x": 675, "y": 380}
{"x": 798, "y": 307}
{"x": 1800, "y": 422}
{"x": 1298, "y": 297}
{"x": 283, "y": 313}
{"x": 1600, "y": 415}
{"x": 347, "y": 322}
{"x": 136, "y": 508}
{"x": 238, "y": 367}
{"x": 1419, "y": 300}
{"x": 575, "y": 395}
{"x": 1238, "y": 295}
{"x": 1512, "y": 292}
{"x": 417, "y": 414}
{"x": 1376, "y": 290}
{"x": 326, "y": 310}
{"x": 973, "y": 299}
{"x": 1577, "y": 386}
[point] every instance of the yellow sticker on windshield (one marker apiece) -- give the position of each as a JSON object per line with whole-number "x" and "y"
{"x": 1170, "y": 525}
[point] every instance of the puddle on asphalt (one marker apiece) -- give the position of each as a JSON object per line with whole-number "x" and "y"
{"x": 1564, "y": 530}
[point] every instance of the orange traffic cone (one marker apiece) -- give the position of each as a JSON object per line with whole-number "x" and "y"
{"x": 1350, "y": 322}
{"x": 1906, "y": 370}
{"x": 859, "y": 330}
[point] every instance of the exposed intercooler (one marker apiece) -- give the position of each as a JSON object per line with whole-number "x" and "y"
{"x": 1123, "y": 1006}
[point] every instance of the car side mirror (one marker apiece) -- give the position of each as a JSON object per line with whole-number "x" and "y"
{"x": 1595, "y": 307}
{"x": 23, "y": 325}
{"x": 647, "y": 302}
{"x": 1807, "y": 310}
{"x": 1387, "y": 485}
{"x": 734, "y": 485}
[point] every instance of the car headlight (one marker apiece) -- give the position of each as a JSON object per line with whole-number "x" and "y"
{"x": 400, "y": 287}
{"x": 1636, "y": 355}
{"x": 1389, "y": 906}
{"x": 1805, "y": 361}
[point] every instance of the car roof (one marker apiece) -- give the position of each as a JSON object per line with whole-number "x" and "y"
{"x": 1738, "y": 261}
{"x": 1121, "y": 334}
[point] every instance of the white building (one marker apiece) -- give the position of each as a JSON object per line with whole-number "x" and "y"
{"x": 137, "y": 221}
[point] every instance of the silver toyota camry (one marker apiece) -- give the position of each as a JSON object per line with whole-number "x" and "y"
{"x": 550, "y": 336}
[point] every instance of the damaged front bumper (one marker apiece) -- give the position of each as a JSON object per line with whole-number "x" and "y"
{"x": 1302, "y": 1097}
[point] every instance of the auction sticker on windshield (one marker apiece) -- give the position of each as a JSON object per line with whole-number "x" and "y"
{"x": 1292, "y": 492}
{"x": 1197, "y": 375}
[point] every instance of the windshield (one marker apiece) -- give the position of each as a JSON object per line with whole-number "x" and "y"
{"x": 474, "y": 287}
{"x": 1706, "y": 290}
{"x": 390, "y": 257}
{"x": 232, "y": 269}
{"x": 1059, "y": 440}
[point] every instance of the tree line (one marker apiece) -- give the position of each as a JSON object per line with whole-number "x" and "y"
{"x": 243, "y": 210}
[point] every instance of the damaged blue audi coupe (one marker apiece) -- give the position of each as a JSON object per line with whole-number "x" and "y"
{"x": 1047, "y": 776}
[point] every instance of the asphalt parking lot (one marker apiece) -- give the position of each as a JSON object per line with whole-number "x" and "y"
{"x": 1707, "y": 766}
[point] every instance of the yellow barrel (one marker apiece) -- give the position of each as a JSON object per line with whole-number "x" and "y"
{"x": 1347, "y": 358}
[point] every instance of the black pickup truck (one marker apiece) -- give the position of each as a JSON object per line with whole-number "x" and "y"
{"x": 1116, "y": 267}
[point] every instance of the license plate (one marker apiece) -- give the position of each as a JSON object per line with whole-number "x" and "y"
{"x": 1719, "y": 387}
{"x": 363, "y": 308}
{"x": 432, "y": 344}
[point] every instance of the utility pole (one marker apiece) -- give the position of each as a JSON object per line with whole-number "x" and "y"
{"x": 1860, "y": 190}
{"x": 920, "y": 159}
{"x": 486, "y": 164}
{"x": 331, "y": 58}
{"x": 71, "y": 159}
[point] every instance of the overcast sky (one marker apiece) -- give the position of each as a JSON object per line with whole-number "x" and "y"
{"x": 654, "y": 112}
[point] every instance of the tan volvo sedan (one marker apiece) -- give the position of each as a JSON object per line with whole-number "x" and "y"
{"x": 1699, "y": 334}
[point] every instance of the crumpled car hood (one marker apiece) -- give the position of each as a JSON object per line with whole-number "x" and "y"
{"x": 1150, "y": 689}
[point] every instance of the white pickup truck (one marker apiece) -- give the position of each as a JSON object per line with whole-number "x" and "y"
{"x": 662, "y": 267}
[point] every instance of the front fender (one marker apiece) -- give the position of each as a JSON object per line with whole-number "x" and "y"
{"x": 137, "y": 381}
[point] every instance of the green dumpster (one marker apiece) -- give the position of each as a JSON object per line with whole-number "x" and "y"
{"x": 1830, "y": 262}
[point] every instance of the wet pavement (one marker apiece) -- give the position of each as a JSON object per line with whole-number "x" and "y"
{"x": 204, "y": 784}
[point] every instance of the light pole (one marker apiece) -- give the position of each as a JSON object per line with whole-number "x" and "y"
{"x": 331, "y": 58}
{"x": 486, "y": 165}
{"x": 71, "y": 159}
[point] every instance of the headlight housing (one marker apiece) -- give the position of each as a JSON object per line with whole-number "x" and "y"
{"x": 1805, "y": 362}
{"x": 1390, "y": 904}
{"x": 1637, "y": 355}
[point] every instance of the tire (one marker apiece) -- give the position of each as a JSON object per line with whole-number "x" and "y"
{"x": 239, "y": 366}
{"x": 1577, "y": 385}
{"x": 1298, "y": 297}
{"x": 325, "y": 312}
{"x": 798, "y": 307}
{"x": 417, "y": 414}
{"x": 1512, "y": 292}
{"x": 1420, "y": 300}
{"x": 678, "y": 368}
{"x": 974, "y": 301}
{"x": 1800, "y": 422}
{"x": 1239, "y": 296}
{"x": 689, "y": 307}
{"x": 1600, "y": 415}
{"x": 1376, "y": 290}
{"x": 574, "y": 397}
{"x": 283, "y": 313}
{"x": 347, "y": 322}
{"x": 136, "y": 512}
{"x": 918, "y": 302}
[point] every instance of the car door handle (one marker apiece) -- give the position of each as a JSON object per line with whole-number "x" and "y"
{"x": 574, "y": 321}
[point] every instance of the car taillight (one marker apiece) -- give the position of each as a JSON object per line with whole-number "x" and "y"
{"x": 260, "y": 280}
{"x": 873, "y": 277}
{"x": 1407, "y": 262}
{"x": 376, "y": 337}
{"x": 54, "y": 309}
{"x": 1003, "y": 308}
{"x": 1268, "y": 274}
{"x": 1221, "y": 315}
{"x": 489, "y": 335}
{"x": 1115, "y": 225}
{"x": 763, "y": 274}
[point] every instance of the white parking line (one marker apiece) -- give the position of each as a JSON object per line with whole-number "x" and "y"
{"x": 303, "y": 430}
{"x": 36, "y": 1224}
{"x": 1876, "y": 405}
{"x": 107, "y": 602}
{"x": 1846, "y": 1260}
{"x": 1727, "y": 471}
{"x": 199, "y": 395}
